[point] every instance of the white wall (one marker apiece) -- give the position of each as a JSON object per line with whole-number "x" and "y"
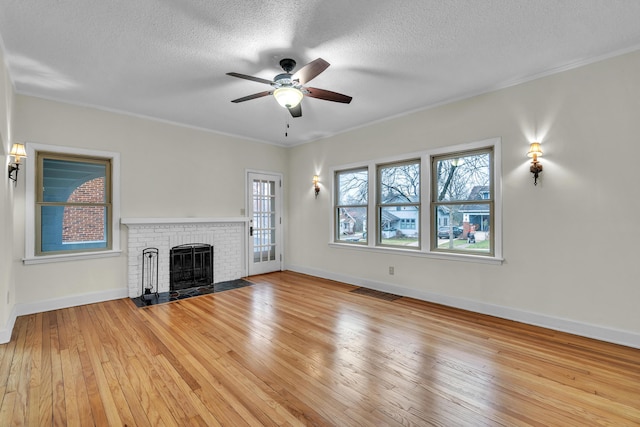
{"x": 6, "y": 201}
{"x": 571, "y": 245}
{"x": 167, "y": 171}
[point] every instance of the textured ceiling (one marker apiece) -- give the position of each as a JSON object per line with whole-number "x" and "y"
{"x": 167, "y": 59}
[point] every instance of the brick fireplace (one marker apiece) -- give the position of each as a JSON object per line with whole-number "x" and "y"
{"x": 226, "y": 235}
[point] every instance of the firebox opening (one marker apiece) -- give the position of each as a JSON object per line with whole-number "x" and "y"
{"x": 191, "y": 265}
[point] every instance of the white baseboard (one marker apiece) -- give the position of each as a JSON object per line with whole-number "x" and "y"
{"x": 601, "y": 333}
{"x": 55, "y": 304}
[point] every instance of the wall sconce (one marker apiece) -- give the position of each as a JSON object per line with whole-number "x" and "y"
{"x": 316, "y": 187}
{"x": 536, "y": 167}
{"x": 18, "y": 152}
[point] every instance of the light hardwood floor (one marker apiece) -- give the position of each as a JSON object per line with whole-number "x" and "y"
{"x": 298, "y": 350}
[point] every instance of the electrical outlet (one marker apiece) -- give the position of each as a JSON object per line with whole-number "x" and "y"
{"x": 392, "y": 270}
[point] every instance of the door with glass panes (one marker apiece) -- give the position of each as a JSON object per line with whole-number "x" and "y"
{"x": 265, "y": 222}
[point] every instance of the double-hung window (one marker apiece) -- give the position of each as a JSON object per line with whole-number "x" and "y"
{"x": 398, "y": 209}
{"x": 72, "y": 203}
{"x": 352, "y": 195}
{"x": 462, "y": 206}
{"x": 443, "y": 203}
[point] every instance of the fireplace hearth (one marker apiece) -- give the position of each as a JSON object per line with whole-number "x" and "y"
{"x": 190, "y": 265}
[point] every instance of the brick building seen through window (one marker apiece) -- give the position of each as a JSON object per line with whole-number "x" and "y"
{"x": 85, "y": 223}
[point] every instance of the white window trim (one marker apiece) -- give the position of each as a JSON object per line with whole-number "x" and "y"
{"x": 425, "y": 197}
{"x": 30, "y": 221}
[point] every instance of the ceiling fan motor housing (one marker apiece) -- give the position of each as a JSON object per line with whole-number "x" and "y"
{"x": 284, "y": 79}
{"x": 287, "y": 64}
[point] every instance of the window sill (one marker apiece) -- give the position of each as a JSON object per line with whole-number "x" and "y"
{"x": 45, "y": 259}
{"x": 420, "y": 253}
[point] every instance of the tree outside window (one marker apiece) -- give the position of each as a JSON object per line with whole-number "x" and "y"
{"x": 462, "y": 198}
{"x": 352, "y": 187}
{"x": 399, "y": 204}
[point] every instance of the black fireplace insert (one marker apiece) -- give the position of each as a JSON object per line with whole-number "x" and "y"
{"x": 191, "y": 265}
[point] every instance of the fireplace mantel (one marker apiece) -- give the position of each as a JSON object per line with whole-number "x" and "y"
{"x": 160, "y": 221}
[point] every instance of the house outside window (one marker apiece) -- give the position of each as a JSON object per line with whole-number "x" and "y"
{"x": 408, "y": 224}
{"x": 72, "y": 203}
{"x": 351, "y": 203}
{"x": 399, "y": 204}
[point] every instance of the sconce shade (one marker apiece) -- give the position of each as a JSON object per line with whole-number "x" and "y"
{"x": 18, "y": 151}
{"x": 534, "y": 150}
{"x": 287, "y": 96}
{"x": 316, "y": 187}
{"x": 536, "y": 167}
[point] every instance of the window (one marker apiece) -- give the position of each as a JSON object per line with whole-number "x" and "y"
{"x": 461, "y": 199}
{"x": 455, "y": 214}
{"x": 351, "y": 205}
{"x": 408, "y": 224}
{"x": 398, "y": 204}
{"x": 72, "y": 203}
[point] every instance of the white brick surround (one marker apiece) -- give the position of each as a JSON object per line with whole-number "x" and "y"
{"x": 226, "y": 235}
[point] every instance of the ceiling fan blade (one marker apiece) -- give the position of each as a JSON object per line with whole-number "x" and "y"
{"x": 252, "y": 78}
{"x": 254, "y": 96}
{"x": 327, "y": 95}
{"x": 310, "y": 71}
{"x": 296, "y": 111}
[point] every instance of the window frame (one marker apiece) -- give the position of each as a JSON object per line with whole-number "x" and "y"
{"x": 33, "y": 256}
{"x": 380, "y": 205}
{"x": 337, "y": 206}
{"x": 434, "y": 203}
{"x": 426, "y": 217}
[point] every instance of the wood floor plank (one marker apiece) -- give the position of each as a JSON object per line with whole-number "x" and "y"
{"x": 83, "y": 382}
{"x": 45, "y": 407}
{"x": 72, "y": 413}
{"x": 59, "y": 416}
{"x": 22, "y": 373}
{"x": 7, "y": 353}
{"x": 297, "y": 350}
{"x": 6, "y": 409}
{"x": 12, "y": 374}
{"x": 99, "y": 393}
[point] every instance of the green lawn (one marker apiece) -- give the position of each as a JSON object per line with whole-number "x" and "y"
{"x": 462, "y": 244}
{"x": 480, "y": 245}
{"x": 401, "y": 241}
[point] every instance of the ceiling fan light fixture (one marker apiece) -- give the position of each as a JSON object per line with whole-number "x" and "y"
{"x": 288, "y": 97}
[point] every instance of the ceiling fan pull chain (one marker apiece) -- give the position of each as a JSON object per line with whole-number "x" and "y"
{"x": 286, "y": 131}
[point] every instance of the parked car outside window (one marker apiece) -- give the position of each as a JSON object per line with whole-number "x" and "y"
{"x": 443, "y": 232}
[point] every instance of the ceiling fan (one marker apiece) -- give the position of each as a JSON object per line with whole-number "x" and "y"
{"x": 289, "y": 89}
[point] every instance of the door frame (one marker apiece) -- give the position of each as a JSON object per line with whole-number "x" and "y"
{"x": 248, "y": 198}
